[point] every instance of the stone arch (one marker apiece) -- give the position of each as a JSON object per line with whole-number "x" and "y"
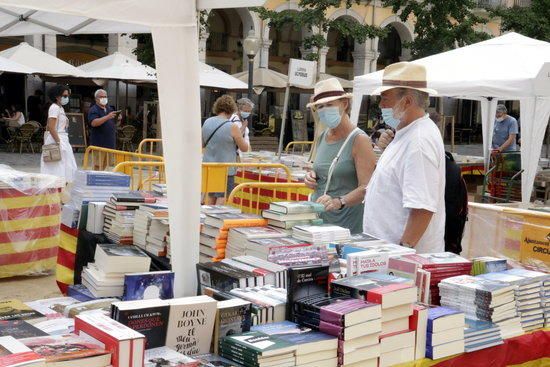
{"x": 403, "y": 30}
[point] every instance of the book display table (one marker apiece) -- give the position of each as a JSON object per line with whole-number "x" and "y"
{"x": 528, "y": 350}
{"x": 29, "y": 222}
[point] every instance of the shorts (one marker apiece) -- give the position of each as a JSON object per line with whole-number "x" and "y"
{"x": 230, "y": 187}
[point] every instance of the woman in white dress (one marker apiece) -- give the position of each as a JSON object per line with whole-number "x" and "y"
{"x": 56, "y": 133}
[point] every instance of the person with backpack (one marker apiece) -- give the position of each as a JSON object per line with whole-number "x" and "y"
{"x": 220, "y": 140}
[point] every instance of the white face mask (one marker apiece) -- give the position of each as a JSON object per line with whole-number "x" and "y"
{"x": 103, "y": 101}
{"x": 500, "y": 119}
{"x": 64, "y": 100}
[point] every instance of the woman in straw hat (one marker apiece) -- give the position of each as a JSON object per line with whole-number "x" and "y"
{"x": 345, "y": 159}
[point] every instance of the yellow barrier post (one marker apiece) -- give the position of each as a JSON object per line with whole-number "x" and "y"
{"x": 156, "y": 173}
{"x": 106, "y": 157}
{"x": 304, "y": 144}
{"x": 150, "y": 144}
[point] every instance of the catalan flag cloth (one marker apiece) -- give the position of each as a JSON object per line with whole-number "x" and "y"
{"x": 30, "y": 207}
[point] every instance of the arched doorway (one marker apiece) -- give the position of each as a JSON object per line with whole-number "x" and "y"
{"x": 285, "y": 44}
{"x": 392, "y": 48}
{"x": 339, "y": 59}
{"x": 224, "y": 44}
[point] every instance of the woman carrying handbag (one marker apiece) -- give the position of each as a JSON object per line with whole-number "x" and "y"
{"x": 57, "y": 153}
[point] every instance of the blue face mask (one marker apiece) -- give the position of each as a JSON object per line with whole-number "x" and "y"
{"x": 330, "y": 116}
{"x": 387, "y": 116}
{"x": 245, "y": 115}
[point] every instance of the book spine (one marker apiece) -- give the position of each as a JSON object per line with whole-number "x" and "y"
{"x": 111, "y": 344}
{"x": 331, "y": 329}
{"x": 339, "y": 290}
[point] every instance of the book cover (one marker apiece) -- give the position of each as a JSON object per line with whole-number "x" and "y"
{"x": 52, "y": 307}
{"x": 14, "y": 353}
{"x": 164, "y": 356}
{"x": 155, "y": 284}
{"x": 296, "y": 334}
{"x": 19, "y": 329}
{"x": 133, "y": 197}
{"x": 233, "y": 317}
{"x": 12, "y": 309}
{"x": 191, "y": 324}
{"x": 366, "y": 261}
{"x": 435, "y": 313}
{"x": 259, "y": 343}
{"x": 65, "y": 348}
{"x": 305, "y": 281}
{"x": 341, "y": 311}
{"x": 212, "y": 360}
{"x": 230, "y": 220}
{"x": 296, "y": 207}
{"x": 440, "y": 260}
{"x": 149, "y": 321}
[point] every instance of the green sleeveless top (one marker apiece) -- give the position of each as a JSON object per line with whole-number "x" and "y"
{"x": 343, "y": 181}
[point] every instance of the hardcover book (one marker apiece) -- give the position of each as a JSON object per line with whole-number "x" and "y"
{"x": 304, "y": 282}
{"x": 19, "y": 329}
{"x": 164, "y": 356}
{"x": 150, "y": 285}
{"x": 233, "y": 317}
{"x": 15, "y": 353}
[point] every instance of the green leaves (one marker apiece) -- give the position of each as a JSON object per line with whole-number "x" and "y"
{"x": 440, "y": 24}
{"x": 532, "y": 21}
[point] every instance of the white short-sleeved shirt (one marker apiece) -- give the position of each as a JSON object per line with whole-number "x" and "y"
{"x": 410, "y": 174}
{"x": 237, "y": 120}
{"x": 57, "y": 112}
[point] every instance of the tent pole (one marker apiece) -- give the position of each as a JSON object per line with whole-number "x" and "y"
{"x": 117, "y": 85}
{"x": 126, "y": 101}
{"x": 283, "y": 121}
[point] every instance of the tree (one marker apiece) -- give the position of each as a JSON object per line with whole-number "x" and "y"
{"x": 312, "y": 16}
{"x": 440, "y": 25}
{"x": 531, "y": 21}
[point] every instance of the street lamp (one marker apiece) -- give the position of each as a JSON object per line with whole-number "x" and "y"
{"x": 251, "y": 45}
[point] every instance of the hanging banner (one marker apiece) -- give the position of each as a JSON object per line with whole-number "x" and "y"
{"x": 301, "y": 73}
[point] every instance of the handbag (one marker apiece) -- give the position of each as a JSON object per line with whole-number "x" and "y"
{"x": 52, "y": 152}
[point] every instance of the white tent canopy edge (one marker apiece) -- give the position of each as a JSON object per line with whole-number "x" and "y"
{"x": 472, "y": 72}
{"x": 174, "y": 28}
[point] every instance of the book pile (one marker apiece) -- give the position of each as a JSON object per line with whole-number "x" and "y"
{"x": 119, "y": 215}
{"x": 321, "y": 235}
{"x": 313, "y": 348}
{"x": 287, "y": 214}
{"x": 480, "y": 335}
{"x": 445, "y": 335}
{"x": 482, "y": 299}
{"x": 215, "y": 230}
{"x": 488, "y": 264}
{"x": 97, "y": 186}
{"x": 439, "y": 266}
{"x": 529, "y": 294}
{"x": 183, "y": 324}
{"x": 418, "y": 322}
{"x": 105, "y": 276}
{"x": 16, "y": 353}
{"x": 151, "y": 228}
{"x": 258, "y": 349}
{"x": 160, "y": 189}
{"x": 356, "y": 323}
{"x": 239, "y": 240}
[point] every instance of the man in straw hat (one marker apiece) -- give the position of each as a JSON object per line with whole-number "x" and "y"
{"x": 405, "y": 199}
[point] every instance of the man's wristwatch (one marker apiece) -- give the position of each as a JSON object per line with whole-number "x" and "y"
{"x": 404, "y": 244}
{"x": 342, "y": 202}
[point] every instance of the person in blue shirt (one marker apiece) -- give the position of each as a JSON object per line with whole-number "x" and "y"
{"x": 505, "y": 131}
{"x": 101, "y": 118}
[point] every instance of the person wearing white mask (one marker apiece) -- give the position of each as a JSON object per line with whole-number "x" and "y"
{"x": 56, "y": 133}
{"x": 245, "y": 107}
{"x": 101, "y": 118}
{"x": 505, "y": 131}
{"x": 344, "y": 161}
{"x": 405, "y": 200}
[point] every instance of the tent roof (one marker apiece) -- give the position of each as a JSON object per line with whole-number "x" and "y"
{"x": 121, "y": 67}
{"x": 41, "y": 62}
{"x": 502, "y": 67}
{"x": 211, "y": 77}
{"x": 10, "y": 66}
{"x": 264, "y": 77}
{"x": 346, "y": 84}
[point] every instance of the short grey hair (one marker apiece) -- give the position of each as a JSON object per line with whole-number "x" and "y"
{"x": 421, "y": 99}
{"x": 502, "y": 108}
{"x": 99, "y": 91}
{"x": 245, "y": 102}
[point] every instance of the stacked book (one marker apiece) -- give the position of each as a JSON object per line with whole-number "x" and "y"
{"x": 439, "y": 266}
{"x": 483, "y": 299}
{"x": 157, "y": 241}
{"x": 70, "y": 215}
{"x": 240, "y": 240}
{"x": 258, "y": 349}
{"x": 321, "y": 235}
{"x": 313, "y": 348}
{"x": 144, "y": 216}
{"x": 160, "y": 189}
{"x": 272, "y": 249}
{"x": 105, "y": 277}
{"x": 529, "y": 294}
{"x": 445, "y": 336}
{"x": 480, "y": 335}
{"x": 169, "y": 357}
{"x": 356, "y": 323}
{"x": 287, "y": 214}
{"x": 488, "y": 264}
{"x": 119, "y": 215}
{"x": 97, "y": 186}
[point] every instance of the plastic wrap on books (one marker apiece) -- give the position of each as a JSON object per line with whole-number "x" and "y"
{"x": 520, "y": 235}
{"x": 30, "y": 215}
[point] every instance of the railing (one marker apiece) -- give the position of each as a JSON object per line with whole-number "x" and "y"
{"x": 253, "y": 197}
{"x": 303, "y": 144}
{"x": 142, "y": 174}
{"x": 100, "y": 159}
{"x": 150, "y": 146}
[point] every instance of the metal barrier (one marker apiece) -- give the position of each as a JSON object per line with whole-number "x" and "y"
{"x": 153, "y": 147}
{"x": 304, "y": 144}
{"x": 253, "y": 197}
{"x": 215, "y": 175}
{"x": 100, "y": 159}
{"x": 142, "y": 174}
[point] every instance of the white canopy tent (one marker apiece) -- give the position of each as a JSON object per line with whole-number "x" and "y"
{"x": 509, "y": 67}
{"x": 10, "y": 66}
{"x": 174, "y": 27}
{"x": 40, "y": 61}
{"x": 118, "y": 66}
{"x": 215, "y": 78}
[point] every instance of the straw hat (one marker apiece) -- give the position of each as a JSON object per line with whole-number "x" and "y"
{"x": 326, "y": 91}
{"x": 404, "y": 75}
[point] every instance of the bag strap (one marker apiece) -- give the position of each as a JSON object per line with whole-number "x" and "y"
{"x": 213, "y": 133}
{"x": 337, "y": 157}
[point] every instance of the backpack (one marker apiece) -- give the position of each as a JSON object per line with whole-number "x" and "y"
{"x": 456, "y": 205}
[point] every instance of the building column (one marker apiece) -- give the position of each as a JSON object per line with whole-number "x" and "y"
{"x": 125, "y": 45}
{"x": 363, "y": 61}
{"x": 202, "y": 45}
{"x": 322, "y": 57}
{"x": 405, "y": 54}
{"x": 264, "y": 53}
